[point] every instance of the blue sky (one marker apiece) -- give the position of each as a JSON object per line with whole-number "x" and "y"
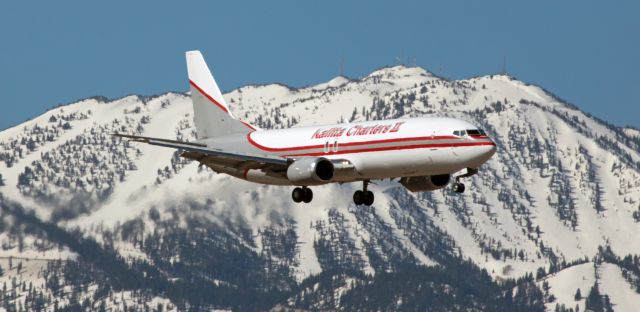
{"x": 55, "y": 52}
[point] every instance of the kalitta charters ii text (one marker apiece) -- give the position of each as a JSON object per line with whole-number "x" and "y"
{"x": 336, "y": 132}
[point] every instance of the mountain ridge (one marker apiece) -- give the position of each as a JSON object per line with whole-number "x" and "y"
{"x": 562, "y": 185}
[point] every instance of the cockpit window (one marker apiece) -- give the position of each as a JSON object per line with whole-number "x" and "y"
{"x": 469, "y": 132}
{"x": 476, "y": 132}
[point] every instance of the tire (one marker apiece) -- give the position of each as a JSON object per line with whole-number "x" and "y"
{"x": 458, "y": 188}
{"x": 358, "y": 198}
{"x": 308, "y": 195}
{"x": 369, "y": 199}
{"x": 297, "y": 195}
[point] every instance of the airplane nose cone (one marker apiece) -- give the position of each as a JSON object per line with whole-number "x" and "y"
{"x": 487, "y": 151}
{"x": 491, "y": 150}
{"x": 482, "y": 154}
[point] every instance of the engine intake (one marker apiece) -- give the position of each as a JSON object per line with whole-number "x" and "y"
{"x": 425, "y": 183}
{"x": 310, "y": 171}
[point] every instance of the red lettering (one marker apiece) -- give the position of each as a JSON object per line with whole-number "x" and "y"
{"x": 316, "y": 135}
{"x": 396, "y": 127}
{"x": 328, "y": 133}
{"x": 369, "y": 130}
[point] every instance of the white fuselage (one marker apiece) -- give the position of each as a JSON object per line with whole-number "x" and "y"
{"x": 377, "y": 149}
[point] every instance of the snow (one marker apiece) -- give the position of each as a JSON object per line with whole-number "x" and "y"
{"x": 333, "y": 83}
{"x": 338, "y": 99}
{"x": 632, "y": 132}
{"x": 612, "y": 283}
{"x": 383, "y": 201}
{"x": 124, "y": 299}
{"x": 564, "y": 284}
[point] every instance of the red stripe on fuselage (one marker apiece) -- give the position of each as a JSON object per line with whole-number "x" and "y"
{"x": 297, "y": 148}
{"x": 248, "y": 125}
{"x": 395, "y": 148}
{"x": 372, "y": 149}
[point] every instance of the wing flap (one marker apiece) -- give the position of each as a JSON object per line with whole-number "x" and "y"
{"x": 201, "y": 152}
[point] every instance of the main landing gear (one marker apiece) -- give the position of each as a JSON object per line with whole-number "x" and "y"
{"x": 302, "y": 194}
{"x": 360, "y": 197}
{"x": 458, "y": 186}
{"x": 363, "y": 197}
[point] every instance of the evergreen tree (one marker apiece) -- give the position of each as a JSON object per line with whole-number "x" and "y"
{"x": 594, "y": 300}
{"x": 607, "y": 304}
{"x": 578, "y": 295}
{"x": 103, "y": 307}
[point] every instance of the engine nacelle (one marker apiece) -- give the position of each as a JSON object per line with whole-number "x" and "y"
{"x": 425, "y": 183}
{"x": 310, "y": 171}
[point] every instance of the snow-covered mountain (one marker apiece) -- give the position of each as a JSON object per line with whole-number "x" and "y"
{"x": 556, "y": 209}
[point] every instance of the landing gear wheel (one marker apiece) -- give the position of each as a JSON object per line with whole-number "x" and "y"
{"x": 368, "y": 200}
{"x": 458, "y": 187}
{"x": 308, "y": 195}
{"x": 302, "y": 194}
{"x": 297, "y": 195}
{"x": 358, "y": 198}
{"x": 363, "y": 197}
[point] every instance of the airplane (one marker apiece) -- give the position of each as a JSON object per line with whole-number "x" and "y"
{"x": 422, "y": 153}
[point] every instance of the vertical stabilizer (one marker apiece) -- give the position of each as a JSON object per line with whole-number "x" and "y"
{"x": 211, "y": 114}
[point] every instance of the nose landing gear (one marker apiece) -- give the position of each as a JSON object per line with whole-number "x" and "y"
{"x": 458, "y": 186}
{"x": 302, "y": 194}
{"x": 363, "y": 197}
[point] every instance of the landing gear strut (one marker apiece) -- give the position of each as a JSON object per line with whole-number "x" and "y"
{"x": 302, "y": 194}
{"x": 363, "y": 197}
{"x": 458, "y": 187}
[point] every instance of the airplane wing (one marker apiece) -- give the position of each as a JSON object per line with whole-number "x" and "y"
{"x": 207, "y": 155}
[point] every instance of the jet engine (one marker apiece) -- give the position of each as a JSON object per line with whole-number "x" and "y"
{"x": 310, "y": 171}
{"x": 425, "y": 183}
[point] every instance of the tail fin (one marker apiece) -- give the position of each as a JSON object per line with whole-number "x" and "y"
{"x": 211, "y": 113}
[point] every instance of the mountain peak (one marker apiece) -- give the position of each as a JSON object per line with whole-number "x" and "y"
{"x": 400, "y": 71}
{"x": 333, "y": 83}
